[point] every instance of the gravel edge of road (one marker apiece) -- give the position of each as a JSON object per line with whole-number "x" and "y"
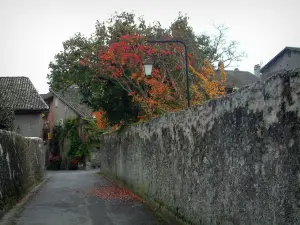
{"x": 8, "y": 218}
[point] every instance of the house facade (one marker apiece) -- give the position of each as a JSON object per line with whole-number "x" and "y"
{"x": 287, "y": 59}
{"x": 47, "y": 117}
{"x": 20, "y": 94}
{"x": 63, "y": 104}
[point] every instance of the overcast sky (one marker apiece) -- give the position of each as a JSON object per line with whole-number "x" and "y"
{"x": 32, "y": 31}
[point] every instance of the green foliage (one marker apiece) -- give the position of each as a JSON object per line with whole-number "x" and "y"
{"x": 92, "y": 132}
{"x": 56, "y": 141}
{"x": 113, "y": 99}
{"x": 82, "y": 134}
{"x": 107, "y": 95}
{"x": 7, "y": 117}
{"x": 66, "y": 70}
{"x": 77, "y": 148}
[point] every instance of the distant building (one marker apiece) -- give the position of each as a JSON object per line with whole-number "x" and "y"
{"x": 287, "y": 59}
{"x": 237, "y": 79}
{"x": 19, "y": 94}
{"x": 63, "y": 104}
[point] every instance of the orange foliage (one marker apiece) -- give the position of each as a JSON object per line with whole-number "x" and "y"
{"x": 165, "y": 89}
{"x": 100, "y": 118}
{"x": 207, "y": 86}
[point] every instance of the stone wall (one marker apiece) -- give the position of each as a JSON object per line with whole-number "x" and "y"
{"x": 233, "y": 160}
{"x": 22, "y": 165}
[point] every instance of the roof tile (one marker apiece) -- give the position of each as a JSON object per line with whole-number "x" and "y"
{"x": 238, "y": 78}
{"x": 20, "y": 94}
{"x": 73, "y": 98}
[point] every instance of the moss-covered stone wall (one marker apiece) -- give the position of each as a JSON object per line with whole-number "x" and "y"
{"x": 22, "y": 166}
{"x": 231, "y": 161}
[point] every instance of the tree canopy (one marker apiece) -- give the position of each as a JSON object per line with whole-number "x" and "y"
{"x": 108, "y": 67}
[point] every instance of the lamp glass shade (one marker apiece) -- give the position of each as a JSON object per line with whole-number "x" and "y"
{"x": 148, "y": 69}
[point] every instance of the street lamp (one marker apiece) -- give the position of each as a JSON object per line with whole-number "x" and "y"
{"x": 148, "y": 64}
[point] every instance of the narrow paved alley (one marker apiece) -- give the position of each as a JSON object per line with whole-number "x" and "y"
{"x": 84, "y": 198}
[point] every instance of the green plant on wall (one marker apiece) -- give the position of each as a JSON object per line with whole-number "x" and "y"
{"x": 83, "y": 134}
{"x": 56, "y": 141}
{"x": 71, "y": 131}
{"x": 92, "y": 132}
{"x": 55, "y": 145}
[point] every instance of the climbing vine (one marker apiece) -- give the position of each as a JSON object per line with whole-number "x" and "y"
{"x": 71, "y": 131}
{"x": 82, "y": 135}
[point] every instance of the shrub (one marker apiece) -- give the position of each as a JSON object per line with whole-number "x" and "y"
{"x": 7, "y": 117}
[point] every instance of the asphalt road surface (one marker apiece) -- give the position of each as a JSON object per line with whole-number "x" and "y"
{"x": 84, "y": 198}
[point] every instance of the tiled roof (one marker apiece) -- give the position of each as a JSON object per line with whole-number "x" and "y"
{"x": 47, "y": 96}
{"x": 239, "y": 78}
{"x": 20, "y": 94}
{"x": 72, "y": 98}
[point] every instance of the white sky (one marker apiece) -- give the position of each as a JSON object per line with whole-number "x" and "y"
{"x": 32, "y": 31}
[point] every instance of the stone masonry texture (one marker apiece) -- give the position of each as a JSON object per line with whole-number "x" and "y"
{"x": 233, "y": 160}
{"x": 22, "y": 163}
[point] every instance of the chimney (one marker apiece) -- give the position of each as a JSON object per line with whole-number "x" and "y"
{"x": 257, "y": 70}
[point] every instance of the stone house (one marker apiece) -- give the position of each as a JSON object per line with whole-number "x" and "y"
{"x": 63, "y": 104}
{"x": 20, "y": 94}
{"x": 287, "y": 59}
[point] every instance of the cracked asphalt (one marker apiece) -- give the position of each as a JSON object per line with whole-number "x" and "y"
{"x": 85, "y": 198}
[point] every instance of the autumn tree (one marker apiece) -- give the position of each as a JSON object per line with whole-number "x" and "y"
{"x": 165, "y": 89}
{"x": 94, "y": 64}
{"x": 66, "y": 70}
